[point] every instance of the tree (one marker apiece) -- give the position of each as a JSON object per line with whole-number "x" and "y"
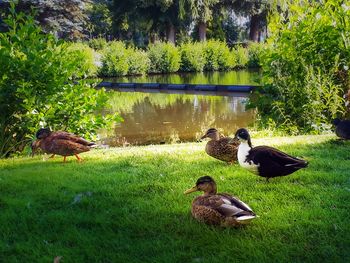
{"x": 42, "y": 84}
{"x": 99, "y": 18}
{"x": 200, "y": 12}
{"x": 66, "y": 18}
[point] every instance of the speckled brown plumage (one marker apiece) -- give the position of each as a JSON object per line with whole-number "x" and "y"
{"x": 61, "y": 143}
{"x": 220, "y": 147}
{"x": 218, "y": 208}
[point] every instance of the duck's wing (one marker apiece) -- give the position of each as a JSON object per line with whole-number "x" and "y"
{"x": 227, "y": 146}
{"x": 234, "y": 205}
{"x": 67, "y": 147}
{"x": 62, "y": 135}
{"x": 227, "y": 205}
{"x": 270, "y": 155}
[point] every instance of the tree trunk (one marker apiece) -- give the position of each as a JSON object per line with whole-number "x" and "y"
{"x": 202, "y": 30}
{"x": 153, "y": 38}
{"x": 170, "y": 33}
{"x": 254, "y": 28}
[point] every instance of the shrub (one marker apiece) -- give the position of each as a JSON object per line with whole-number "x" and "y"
{"x": 255, "y": 52}
{"x": 192, "y": 57}
{"x": 218, "y": 56}
{"x": 241, "y": 55}
{"x": 115, "y": 60}
{"x": 36, "y": 87}
{"x": 98, "y": 43}
{"x": 306, "y": 71}
{"x": 85, "y": 56}
{"x": 164, "y": 57}
{"x": 138, "y": 61}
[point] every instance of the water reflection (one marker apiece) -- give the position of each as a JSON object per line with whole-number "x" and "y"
{"x": 240, "y": 77}
{"x": 153, "y": 118}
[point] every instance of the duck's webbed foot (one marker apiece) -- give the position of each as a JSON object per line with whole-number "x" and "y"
{"x": 78, "y": 157}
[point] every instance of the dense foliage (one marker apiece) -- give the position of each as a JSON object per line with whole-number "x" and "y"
{"x": 37, "y": 86}
{"x": 213, "y": 55}
{"x": 192, "y": 57}
{"x": 306, "y": 70}
{"x": 164, "y": 57}
{"x": 119, "y": 60}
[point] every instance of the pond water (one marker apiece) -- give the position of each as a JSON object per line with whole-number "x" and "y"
{"x": 155, "y": 118}
{"x": 158, "y": 117}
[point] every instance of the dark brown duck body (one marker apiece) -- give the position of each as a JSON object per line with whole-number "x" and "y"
{"x": 218, "y": 208}
{"x": 61, "y": 143}
{"x": 220, "y": 147}
{"x": 342, "y": 128}
{"x": 273, "y": 163}
{"x": 266, "y": 161}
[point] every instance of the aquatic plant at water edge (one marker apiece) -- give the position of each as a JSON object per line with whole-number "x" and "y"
{"x": 241, "y": 55}
{"x": 218, "y": 56}
{"x": 114, "y": 60}
{"x": 306, "y": 70}
{"x": 192, "y": 57}
{"x": 86, "y": 57}
{"x": 165, "y": 58}
{"x": 37, "y": 87}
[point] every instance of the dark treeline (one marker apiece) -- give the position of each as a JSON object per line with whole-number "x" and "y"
{"x": 147, "y": 21}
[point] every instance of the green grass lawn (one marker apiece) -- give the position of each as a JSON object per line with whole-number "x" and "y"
{"x": 127, "y": 205}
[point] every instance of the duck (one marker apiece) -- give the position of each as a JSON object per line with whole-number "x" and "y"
{"x": 342, "y": 128}
{"x": 265, "y": 161}
{"x": 221, "y": 209}
{"x": 221, "y": 147}
{"x": 60, "y": 143}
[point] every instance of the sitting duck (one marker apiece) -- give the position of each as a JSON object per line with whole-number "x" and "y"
{"x": 342, "y": 128}
{"x": 218, "y": 208}
{"x": 220, "y": 147}
{"x": 265, "y": 161}
{"x": 61, "y": 143}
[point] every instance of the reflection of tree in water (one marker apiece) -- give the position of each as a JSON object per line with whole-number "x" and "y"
{"x": 176, "y": 117}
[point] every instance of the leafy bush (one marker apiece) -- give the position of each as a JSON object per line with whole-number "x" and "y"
{"x": 115, "y": 60}
{"x": 307, "y": 70}
{"x": 241, "y": 55}
{"x": 138, "y": 61}
{"x": 37, "y": 89}
{"x": 164, "y": 57}
{"x": 98, "y": 43}
{"x": 85, "y": 56}
{"x": 192, "y": 57}
{"x": 218, "y": 56}
{"x": 255, "y": 52}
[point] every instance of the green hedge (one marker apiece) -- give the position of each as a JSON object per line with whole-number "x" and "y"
{"x": 192, "y": 57}
{"x": 164, "y": 57}
{"x": 85, "y": 56}
{"x": 118, "y": 60}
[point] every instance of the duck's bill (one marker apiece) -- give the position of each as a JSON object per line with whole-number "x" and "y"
{"x": 204, "y": 136}
{"x": 191, "y": 190}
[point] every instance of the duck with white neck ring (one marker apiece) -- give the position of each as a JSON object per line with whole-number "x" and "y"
{"x": 265, "y": 161}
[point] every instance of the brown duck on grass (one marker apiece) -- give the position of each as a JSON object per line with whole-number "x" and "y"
{"x": 61, "y": 143}
{"x": 218, "y": 208}
{"x": 220, "y": 147}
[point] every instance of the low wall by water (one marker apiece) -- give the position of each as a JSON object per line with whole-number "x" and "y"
{"x": 185, "y": 88}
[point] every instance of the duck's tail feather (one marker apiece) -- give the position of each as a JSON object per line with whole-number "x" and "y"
{"x": 245, "y": 219}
